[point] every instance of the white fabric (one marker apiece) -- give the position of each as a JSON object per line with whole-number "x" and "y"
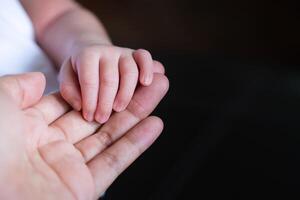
{"x": 19, "y": 51}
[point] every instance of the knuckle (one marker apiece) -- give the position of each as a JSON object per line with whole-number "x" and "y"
{"x": 109, "y": 81}
{"x": 131, "y": 73}
{"x": 112, "y": 161}
{"x": 111, "y": 51}
{"x": 89, "y": 83}
{"x": 88, "y": 51}
{"x": 137, "y": 109}
{"x": 128, "y": 68}
{"x": 87, "y": 55}
{"x": 128, "y": 64}
{"x": 126, "y": 61}
{"x": 104, "y": 138}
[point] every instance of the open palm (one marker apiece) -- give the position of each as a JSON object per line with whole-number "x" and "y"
{"x": 55, "y": 154}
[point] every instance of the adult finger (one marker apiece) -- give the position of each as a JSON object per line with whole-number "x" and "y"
{"x": 108, "y": 165}
{"x": 142, "y": 104}
{"x": 128, "y": 80}
{"x": 145, "y": 63}
{"x": 68, "y": 169}
{"x": 109, "y": 82}
{"x": 72, "y": 127}
{"x": 158, "y": 67}
{"x": 50, "y": 108}
{"x": 24, "y": 89}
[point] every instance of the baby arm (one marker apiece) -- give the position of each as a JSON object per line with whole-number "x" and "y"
{"x": 95, "y": 76}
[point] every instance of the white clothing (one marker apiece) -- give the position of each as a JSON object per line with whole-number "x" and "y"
{"x": 19, "y": 52}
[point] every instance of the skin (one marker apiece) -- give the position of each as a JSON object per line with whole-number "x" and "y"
{"x": 48, "y": 151}
{"x": 95, "y": 75}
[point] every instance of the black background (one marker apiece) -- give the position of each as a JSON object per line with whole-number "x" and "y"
{"x": 232, "y": 113}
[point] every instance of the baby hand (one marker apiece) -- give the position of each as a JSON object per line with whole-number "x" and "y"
{"x": 100, "y": 78}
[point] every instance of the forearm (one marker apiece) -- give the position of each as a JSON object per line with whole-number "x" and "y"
{"x": 72, "y": 29}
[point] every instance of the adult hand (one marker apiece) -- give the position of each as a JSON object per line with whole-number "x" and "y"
{"x": 47, "y": 151}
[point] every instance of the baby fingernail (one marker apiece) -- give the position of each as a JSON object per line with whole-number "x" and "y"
{"x": 89, "y": 116}
{"x": 101, "y": 118}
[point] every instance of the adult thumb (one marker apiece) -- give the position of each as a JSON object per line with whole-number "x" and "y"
{"x": 24, "y": 89}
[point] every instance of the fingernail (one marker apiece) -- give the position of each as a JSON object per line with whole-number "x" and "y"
{"x": 101, "y": 118}
{"x": 89, "y": 116}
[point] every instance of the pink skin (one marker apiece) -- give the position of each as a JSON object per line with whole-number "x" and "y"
{"x": 51, "y": 152}
{"x": 95, "y": 76}
{"x": 101, "y": 78}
